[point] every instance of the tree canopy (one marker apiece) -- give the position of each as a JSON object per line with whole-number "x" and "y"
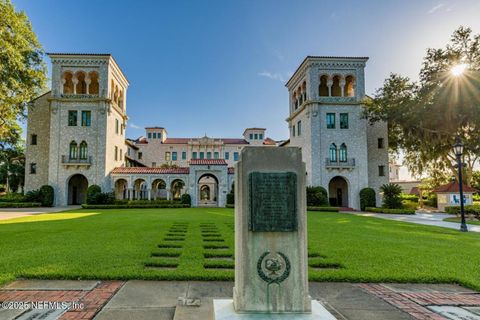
{"x": 425, "y": 116}
{"x": 22, "y": 70}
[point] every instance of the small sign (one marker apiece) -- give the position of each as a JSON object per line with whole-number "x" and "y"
{"x": 273, "y": 201}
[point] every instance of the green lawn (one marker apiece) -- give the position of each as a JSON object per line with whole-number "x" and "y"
{"x": 186, "y": 244}
{"x": 459, "y": 219}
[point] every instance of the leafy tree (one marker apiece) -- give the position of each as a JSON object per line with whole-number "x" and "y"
{"x": 476, "y": 180}
{"x": 391, "y": 196}
{"x": 12, "y": 163}
{"x": 426, "y": 116}
{"x": 22, "y": 70}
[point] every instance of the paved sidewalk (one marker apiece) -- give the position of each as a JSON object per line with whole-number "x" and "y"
{"x": 192, "y": 300}
{"x": 430, "y": 219}
{"x": 12, "y": 213}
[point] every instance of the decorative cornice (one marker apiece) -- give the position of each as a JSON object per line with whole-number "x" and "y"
{"x": 80, "y": 62}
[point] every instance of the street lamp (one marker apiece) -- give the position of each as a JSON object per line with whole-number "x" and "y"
{"x": 458, "y": 149}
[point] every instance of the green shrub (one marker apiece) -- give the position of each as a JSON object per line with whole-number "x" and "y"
{"x": 409, "y": 204}
{"x": 431, "y": 201}
{"x": 105, "y": 198}
{"x": 476, "y": 197}
{"x": 186, "y": 199}
{"x": 92, "y": 193}
{"x": 19, "y": 204}
{"x": 324, "y": 209}
{"x": 410, "y": 197}
{"x": 471, "y": 210}
{"x": 368, "y": 198}
{"x": 133, "y": 206}
{"x": 46, "y": 195}
{"x": 391, "y": 196}
{"x": 230, "y": 198}
{"x": 390, "y": 211}
{"x": 317, "y": 197}
{"x": 13, "y": 197}
{"x": 230, "y": 205}
{"x": 33, "y": 196}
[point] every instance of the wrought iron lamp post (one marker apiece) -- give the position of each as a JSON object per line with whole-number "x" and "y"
{"x": 458, "y": 149}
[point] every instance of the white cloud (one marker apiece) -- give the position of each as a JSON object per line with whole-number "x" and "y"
{"x": 436, "y": 8}
{"x": 274, "y": 76}
{"x": 134, "y": 126}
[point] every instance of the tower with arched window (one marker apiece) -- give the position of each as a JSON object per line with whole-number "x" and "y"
{"x": 339, "y": 146}
{"x": 79, "y": 126}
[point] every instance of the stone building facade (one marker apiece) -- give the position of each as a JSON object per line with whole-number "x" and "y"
{"x": 76, "y": 137}
{"x": 342, "y": 151}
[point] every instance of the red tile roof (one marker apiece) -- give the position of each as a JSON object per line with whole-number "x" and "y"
{"x": 176, "y": 140}
{"x": 186, "y": 140}
{"x": 231, "y": 170}
{"x": 269, "y": 142}
{"x": 149, "y": 170}
{"x": 454, "y": 186}
{"x": 214, "y": 162}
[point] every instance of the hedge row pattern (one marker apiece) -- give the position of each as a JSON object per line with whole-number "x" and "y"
{"x": 390, "y": 211}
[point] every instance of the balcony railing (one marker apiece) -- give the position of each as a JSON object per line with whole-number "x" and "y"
{"x": 77, "y": 161}
{"x": 79, "y": 96}
{"x": 349, "y": 164}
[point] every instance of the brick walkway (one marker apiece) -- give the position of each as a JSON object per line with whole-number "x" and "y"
{"x": 414, "y": 303}
{"x": 92, "y": 300}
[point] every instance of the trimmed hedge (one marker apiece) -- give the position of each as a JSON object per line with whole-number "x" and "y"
{"x": 317, "y": 196}
{"x": 46, "y": 195}
{"x": 92, "y": 192}
{"x": 229, "y": 205}
{"x": 390, "y": 211}
{"x": 19, "y": 204}
{"x": 410, "y": 197}
{"x": 230, "y": 198}
{"x": 473, "y": 210}
{"x": 133, "y": 206}
{"x": 186, "y": 199}
{"x": 368, "y": 198}
{"x": 13, "y": 197}
{"x": 324, "y": 209}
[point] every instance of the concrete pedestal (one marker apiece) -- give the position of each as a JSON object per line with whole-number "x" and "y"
{"x": 223, "y": 310}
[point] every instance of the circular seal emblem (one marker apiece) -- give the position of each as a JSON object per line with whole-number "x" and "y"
{"x": 273, "y": 267}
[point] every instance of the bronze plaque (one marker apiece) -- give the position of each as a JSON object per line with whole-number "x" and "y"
{"x": 273, "y": 201}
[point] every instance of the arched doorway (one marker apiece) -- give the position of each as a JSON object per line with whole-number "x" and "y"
{"x": 121, "y": 190}
{"x": 77, "y": 189}
{"x": 338, "y": 192}
{"x": 207, "y": 190}
{"x": 176, "y": 189}
{"x": 140, "y": 190}
{"x": 159, "y": 189}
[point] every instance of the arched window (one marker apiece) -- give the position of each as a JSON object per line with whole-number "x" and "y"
{"x": 323, "y": 87}
{"x": 94, "y": 87}
{"x": 120, "y": 99}
{"x": 112, "y": 90}
{"x": 295, "y": 100}
{"x": 304, "y": 91}
{"x": 67, "y": 82}
{"x": 83, "y": 150}
{"x": 81, "y": 83}
{"x": 300, "y": 96}
{"x": 73, "y": 153}
{"x": 336, "y": 89}
{"x": 343, "y": 153}
{"x": 349, "y": 91}
{"x": 333, "y": 152}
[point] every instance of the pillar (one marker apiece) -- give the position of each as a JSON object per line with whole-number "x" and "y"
{"x": 329, "y": 85}
{"x": 342, "y": 87}
{"x": 168, "y": 194}
{"x": 149, "y": 194}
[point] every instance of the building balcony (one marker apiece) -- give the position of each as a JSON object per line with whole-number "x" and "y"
{"x": 79, "y": 96}
{"x": 67, "y": 161}
{"x": 348, "y": 165}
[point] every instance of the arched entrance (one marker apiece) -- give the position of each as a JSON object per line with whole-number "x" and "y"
{"x": 77, "y": 189}
{"x": 207, "y": 190}
{"x": 159, "y": 189}
{"x": 121, "y": 190}
{"x": 338, "y": 192}
{"x": 176, "y": 189}
{"x": 140, "y": 190}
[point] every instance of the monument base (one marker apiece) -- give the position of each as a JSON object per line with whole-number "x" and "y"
{"x": 223, "y": 310}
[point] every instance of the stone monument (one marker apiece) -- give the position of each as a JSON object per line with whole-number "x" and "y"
{"x": 271, "y": 259}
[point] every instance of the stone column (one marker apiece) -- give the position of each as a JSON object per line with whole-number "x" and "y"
{"x": 75, "y": 81}
{"x": 329, "y": 85}
{"x": 342, "y": 87}
{"x": 149, "y": 194}
{"x": 168, "y": 193}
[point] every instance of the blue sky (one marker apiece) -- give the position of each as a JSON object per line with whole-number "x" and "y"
{"x": 217, "y": 67}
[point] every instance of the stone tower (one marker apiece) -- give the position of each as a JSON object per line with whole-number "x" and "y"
{"x": 342, "y": 152}
{"x": 84, "y": 126}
